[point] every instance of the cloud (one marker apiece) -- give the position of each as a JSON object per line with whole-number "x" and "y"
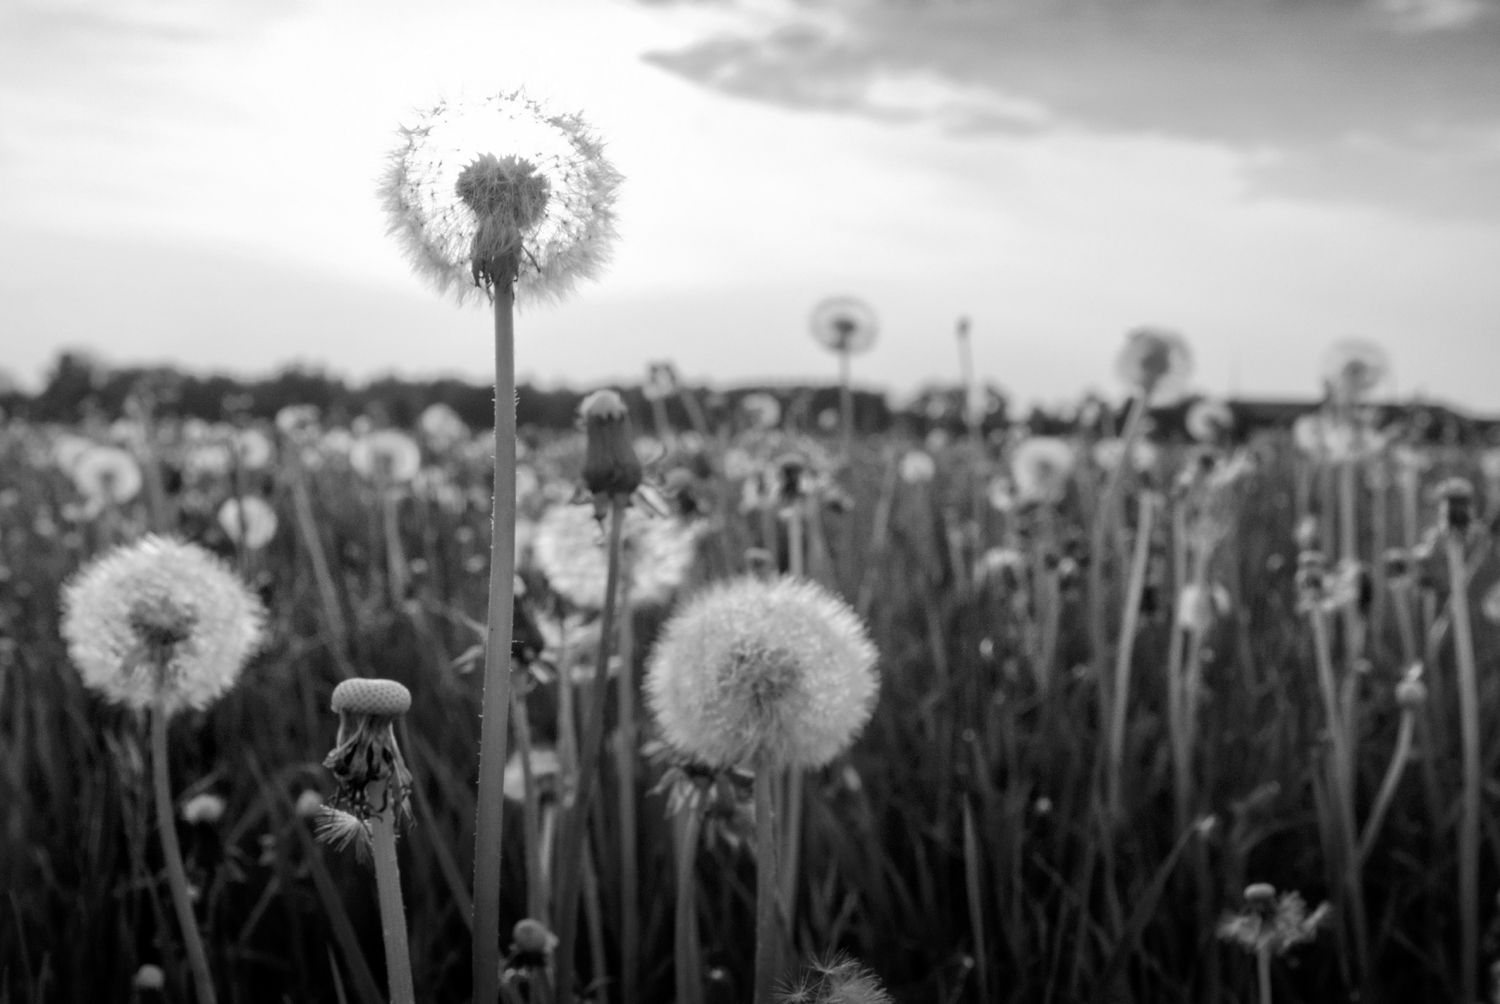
{"x": 1300, "y": 89}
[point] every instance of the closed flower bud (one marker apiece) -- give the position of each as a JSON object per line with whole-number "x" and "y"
{"x": 611, "y": 468}
{"x": 1411, "y": 692}
{"x": 1456, "y": 501}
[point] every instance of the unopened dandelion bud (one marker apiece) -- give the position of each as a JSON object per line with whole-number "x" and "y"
{"x": 1456, "y": 500}
{"x": 611, "y": 468}
{"x": 1306, "y": 534}
{"x": 149, "y": 977}
{"x": 532, "y": 936}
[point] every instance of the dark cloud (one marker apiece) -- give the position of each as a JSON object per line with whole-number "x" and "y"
{"x": 1396, "y": 102}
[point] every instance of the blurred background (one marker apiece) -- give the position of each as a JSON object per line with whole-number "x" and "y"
{"x": 193, "y": 184}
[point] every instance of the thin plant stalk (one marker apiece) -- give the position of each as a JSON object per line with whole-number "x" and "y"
{"x": 687, "y": 948}
{"x": 1468, "y": 699}
{"x": 536, "y": 886}
{"x": 767, "y": 885}
{"x": 1399, "y": 758}
{"x": 166, "y": 827}
{"x": 307, "y": 526}
{"x": 575, "y": 824}
{"x": 489, "y": 830}
{"x": 1126, "y": 648}
{"x": 846, "y": 405}
{"x": 392, "y": 913}
{"x": 792, "y": 784}
{"x": 630, "y": 905}
{"x": 1263, "y": 973}
{"x": 973, "y": 877}
{"x": 395, "y": 554}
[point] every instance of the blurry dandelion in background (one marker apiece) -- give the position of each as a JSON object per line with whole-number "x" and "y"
{"x": 1040, "y": 467}
{"x": 249, "y": 521}
{"x": 561, "y": 234}
{"x": 778, "y": 671}
{"x": 160, "y": 621}
{"x": 569, "y": 549}
{"x": 386, "y": 455}
{"x": 1353, "y": 368}
{"x": 1155, "y": 363}
{"x": 844, "y": 325}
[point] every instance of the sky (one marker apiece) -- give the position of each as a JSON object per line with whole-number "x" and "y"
{"x": 193, "y": 182}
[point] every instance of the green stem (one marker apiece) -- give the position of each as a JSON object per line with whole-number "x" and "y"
{"x": 1468, "y": 700}
{"x": 536, "y": 890}
{"x": 846, "y": 406}
{"x": 1101, "y": 529}
{"x": 392, "y": 913}
{"x": 171, "y": 851}
{"x": 1393, "y": 773}
{"x": 1263, "y": 974}
{"x": 496, "y": 702}
{"x": 630, "y": 907}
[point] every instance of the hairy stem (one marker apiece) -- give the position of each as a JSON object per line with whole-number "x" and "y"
{"x": 171, "y": 851}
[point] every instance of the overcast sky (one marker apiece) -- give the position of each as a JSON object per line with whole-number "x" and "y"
{"x": 193, "y": 182}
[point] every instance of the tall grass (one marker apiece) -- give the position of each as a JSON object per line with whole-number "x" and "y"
{"x": 957, "y": 848}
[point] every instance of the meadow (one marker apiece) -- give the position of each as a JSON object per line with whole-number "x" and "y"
{"x": 1123, "y": 683}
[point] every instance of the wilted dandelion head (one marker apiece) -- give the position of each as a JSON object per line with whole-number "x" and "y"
{"x": 387, "y": 455}
{"x": 839, "y": 980}
{"x": 484, "y": 186}
{"x": 1155, "y": 362}
{"x": 249, "y": 521}
{"x": 1040, "y": 466}
{"x": 365, "y": 760}
{"x": 1271, "y": 923}
{"x": 106, "y": 474}
{"x": 570, "y": 544}
{"x": 1354, "y": 367}
{"x": 160, "y": 622}
{"x": 754, "y": 670}
{"x": 845, "y": 325}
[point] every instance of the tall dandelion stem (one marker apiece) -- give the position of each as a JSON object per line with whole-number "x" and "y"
{"x": 392, "y": 912}
{"x": 171, "y": 851}
{"x": 1123, "y": 653}
{"x": 1468, "y": 697}
{"x": 687, "y": 951}
{"x": 767, "y": 884}
{"x": 496, "y": 706}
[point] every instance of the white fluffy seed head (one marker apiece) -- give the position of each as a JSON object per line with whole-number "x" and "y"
{"x": 160, "y": 621}
{"x": 777, "y": 671}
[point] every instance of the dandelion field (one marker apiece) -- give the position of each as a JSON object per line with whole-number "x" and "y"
{"x": 1027, "y": 815}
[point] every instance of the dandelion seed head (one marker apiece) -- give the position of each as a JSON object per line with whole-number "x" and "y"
{"x": 570, "y": 544}
{"x": 1353, "y": 367}
{"x": 162, "y": 621}
{"x": 845, "y": 325}
{"x": 478, "y": 180}
{"x": 750, "y": 669}
{"x": 249, "y": 521}
{"x": 387, "y": 455}
{"x": 106, "y": 474}
{"x": 1039, "y": 467}
{"x": 839, "y": 980}
{"x": 1155, "y": 362}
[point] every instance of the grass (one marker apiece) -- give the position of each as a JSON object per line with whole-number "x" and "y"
{"x": 968, "y": 848}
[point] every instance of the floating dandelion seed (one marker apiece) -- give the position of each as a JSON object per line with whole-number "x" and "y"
{"x": 1155, "y": 363}
{"x": 160, "y": 620}
{"x": 500, "y": 176}
{"x": 780, "y": 671}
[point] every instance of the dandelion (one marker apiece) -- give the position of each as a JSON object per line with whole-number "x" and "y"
{"x": 160, "y": 623}
{"x": 373, "y": 787}
{"x": 837, "y": 981}
{"x": 1209, "y": 420}
{"x": 1039, "y": 467}
{"x": 442, "y": 426}
{"x": 388, "y": 456}
{"x": 105, "y": 475}
{"x": 149, "y": 978}
{"x": 496, "y": 178}
{"x": 249, "y": 521}
{"x": 309, "y": 804}
{"x": 775, "y": 674}
{"x": 918, "y": 467}
{"x": 761, "y": 410}
{"x": 1271, "y": 925}
{"x": 1107, "y": 453}
{"x": 205, "y": 808}
{"x": 298, "y": 421}
{"x": 1354, "y": 367}
{"x": 499, "y": 197}
{"x": 1155, "y": 363}
{"x": 545, "y": 771}
{"x": 570, "y": 550}
{"x": 846, "y": 327}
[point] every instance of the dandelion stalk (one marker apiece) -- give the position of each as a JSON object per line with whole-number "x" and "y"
{"x": 392, "y": 912}
{"x": 575, "y": 824}
{"x": 768, "y": 912}
{"x": 687, "y": 950}
{"x": 493, "y": 739}
{"x": 1411, "y": 695}
{"x": 166, "y": 828}
{"x": 1126, "y": 648}
{"x": 1457, "y": 503}
{"x": 630, "y": 908}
